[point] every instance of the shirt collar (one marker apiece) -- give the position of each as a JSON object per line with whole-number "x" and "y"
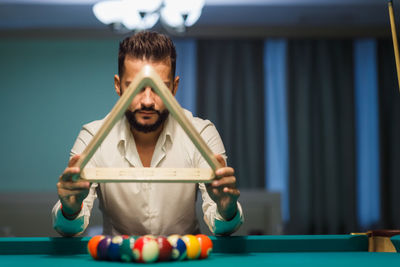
{"x": 169, "y": 128}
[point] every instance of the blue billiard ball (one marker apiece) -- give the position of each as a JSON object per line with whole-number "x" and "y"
{"x": 114, "y": 248}
{"x": 178, "y": 247}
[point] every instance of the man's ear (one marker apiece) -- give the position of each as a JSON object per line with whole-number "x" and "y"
{"x": 117, "y": 85}
{"x": 176, "y": 84}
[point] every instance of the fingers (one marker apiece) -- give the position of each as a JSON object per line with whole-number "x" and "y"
{"x": 66, "y": 185}
{"x": 73, "y": 160}
{"x": 226, "y": 184}
{"x": 225, "y": 171}
{"x": 72, "y": 191}
{"x": 220, "y": 159}
{"x": 73, "y": 186}
{"x": 226, "y": 179}
{"x": 229, "y": 181}
{"x": 71, "y": 170}
{"x": 232, "y": 191}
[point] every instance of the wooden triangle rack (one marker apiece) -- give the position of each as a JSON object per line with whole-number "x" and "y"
{"x": 147, "y": 77}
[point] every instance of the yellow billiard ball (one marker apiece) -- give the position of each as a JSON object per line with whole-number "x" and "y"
{"x": 193, "y": 248}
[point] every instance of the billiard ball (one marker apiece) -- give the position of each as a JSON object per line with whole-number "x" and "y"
{"x": 126, "y": 249}
{"x": 92, "y": 245}
{"x": 193, "y": 248}
{"x": 145, "y": 249}
{"x": 114, "y": 248}
{"x": 102, "y": 248}
{"x": 178, "y": 247}
{"x": 165, "y": 248}
{"x": 205, "y": 244}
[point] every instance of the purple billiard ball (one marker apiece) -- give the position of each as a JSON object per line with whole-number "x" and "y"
{"x": 102, "y": 248}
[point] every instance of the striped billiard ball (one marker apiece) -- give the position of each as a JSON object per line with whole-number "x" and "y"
{"x": 126, "y": 249}
{"x": 145, "y": 249}
{"x": 178, "y": 247}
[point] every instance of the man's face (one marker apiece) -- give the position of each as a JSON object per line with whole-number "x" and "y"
{"x": 147, "y": 111}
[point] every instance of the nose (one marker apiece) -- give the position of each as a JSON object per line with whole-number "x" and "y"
{"x": 147, "y": 97}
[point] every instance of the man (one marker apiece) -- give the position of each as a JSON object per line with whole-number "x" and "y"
{"x": 147, "y": 136}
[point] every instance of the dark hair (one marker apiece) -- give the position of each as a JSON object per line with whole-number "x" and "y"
{"x": 148, "y": 46}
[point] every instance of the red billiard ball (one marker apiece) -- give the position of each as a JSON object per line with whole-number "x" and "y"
{"x": 145, "y": 249}
{"x": 205, "y": 244}
{"x": 92, "y": 245}
{"x": 165, "y": 248}
{"x": 102, "y": 248}
{"x": 192, "y": 247}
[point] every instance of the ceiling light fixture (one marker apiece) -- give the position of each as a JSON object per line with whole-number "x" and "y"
{"x": 136, "y": 15}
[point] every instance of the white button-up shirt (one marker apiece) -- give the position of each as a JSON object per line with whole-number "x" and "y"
{"x": 148, "y": 208}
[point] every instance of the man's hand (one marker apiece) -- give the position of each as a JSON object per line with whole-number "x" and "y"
{"x": 223, "y": 190}
{"x": 71, "y": 193}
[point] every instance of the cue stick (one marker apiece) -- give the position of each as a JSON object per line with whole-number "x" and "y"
{"x": 394, "y": 37}
{"x": 146, "y": 77}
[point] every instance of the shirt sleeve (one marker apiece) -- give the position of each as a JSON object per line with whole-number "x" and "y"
{"x": 212, "y": 218}
{"x": 215, "y": 222}
{"x": 78, "y": 225}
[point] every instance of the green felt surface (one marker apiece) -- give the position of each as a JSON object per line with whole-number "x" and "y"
{"x": 318, "y": 250}
{"x": 221, "y": 259}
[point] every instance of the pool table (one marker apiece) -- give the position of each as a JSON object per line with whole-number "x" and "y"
{"x": 285, "y": 250}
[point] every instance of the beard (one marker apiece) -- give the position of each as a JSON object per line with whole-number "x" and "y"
{"x": 146, "y": 128}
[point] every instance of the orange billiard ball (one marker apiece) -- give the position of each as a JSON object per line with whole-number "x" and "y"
{"x": 92, "y": 245}
{"x": 205, "y": 244}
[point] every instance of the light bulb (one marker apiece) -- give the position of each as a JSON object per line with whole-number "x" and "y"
{"x": 108, "y": 11}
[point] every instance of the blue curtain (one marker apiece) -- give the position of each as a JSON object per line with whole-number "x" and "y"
{"x": 276, "y": 145}
{"x": 186, "y": 69}
{"x": 367, "y": 133}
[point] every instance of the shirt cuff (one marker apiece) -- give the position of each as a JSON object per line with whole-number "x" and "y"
{"x": 69, "y": 227}
{"x": 223, "y": 227}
